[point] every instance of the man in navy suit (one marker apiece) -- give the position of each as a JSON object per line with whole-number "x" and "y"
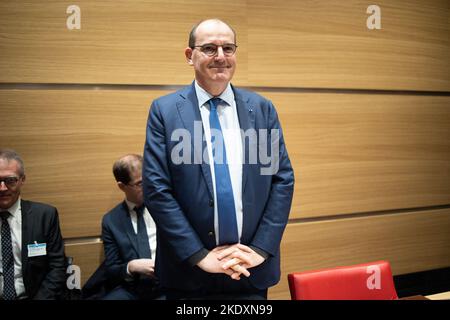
{"x": 129, "y": 237}
{"x": 32, "y": 261}
{"x": 217, "y": 179}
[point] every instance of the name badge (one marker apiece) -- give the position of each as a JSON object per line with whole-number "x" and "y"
{"x": 37, "y": 249}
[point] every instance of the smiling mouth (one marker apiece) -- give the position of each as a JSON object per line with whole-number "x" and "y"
{"x": 220, "y": 67}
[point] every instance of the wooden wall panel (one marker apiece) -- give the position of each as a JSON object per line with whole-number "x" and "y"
{"x": 411, "y": 242}
{"x": 120, "y": 41}
{"x": 327, "y": 44}
{"x": 360, "y": 152}
{"x": 87, "y": 255}
{"x": 69, "y": 140}
{"x": 351, "y": 153}
{"x": 297, "y": 44}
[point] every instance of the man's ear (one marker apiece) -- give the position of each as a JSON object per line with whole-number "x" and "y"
{"x": 121, "y": 186}
{"x": 188, "y": 54}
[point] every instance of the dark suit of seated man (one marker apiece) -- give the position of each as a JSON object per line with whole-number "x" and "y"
{"x": 129, "y": 237}
{"x": 32, "y": 262}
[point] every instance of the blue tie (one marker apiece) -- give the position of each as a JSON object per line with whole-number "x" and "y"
{"x": 142, "y": 236}
{"x": 228, "y": 233}
{"x": 9, "y": 291}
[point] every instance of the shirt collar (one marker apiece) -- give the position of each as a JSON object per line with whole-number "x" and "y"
{"x": 203, "y": 96}
{"x": 15, "y": 209}
{"x": 130, "y": 205}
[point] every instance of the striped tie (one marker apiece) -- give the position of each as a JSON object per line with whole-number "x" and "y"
{"x": 228, "y": 233}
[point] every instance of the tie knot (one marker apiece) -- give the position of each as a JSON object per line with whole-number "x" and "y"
{"x": 139, "y": 210}
{"x": 214, "y": 102}
{"x": 4, "y": 215}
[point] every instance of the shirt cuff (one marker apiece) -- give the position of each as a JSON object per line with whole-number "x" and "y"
{"x": 197, "y": 257}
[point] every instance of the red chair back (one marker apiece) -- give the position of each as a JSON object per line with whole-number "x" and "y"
{"x": 368, "y": 281}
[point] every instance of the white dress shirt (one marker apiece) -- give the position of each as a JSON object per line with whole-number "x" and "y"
{"x": 149, "y": 225}
{"x": 15, "y": 224}
{"x": 229, "y": 123}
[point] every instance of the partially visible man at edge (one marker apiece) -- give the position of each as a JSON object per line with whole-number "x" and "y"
{"x": 32, "y": 258}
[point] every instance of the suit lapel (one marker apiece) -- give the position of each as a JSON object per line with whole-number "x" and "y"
{"x": 190, "y": 116}
{"x": 246, "y": 116}
{"x": 25, "y": 207}
{"x": 126, "y": 221}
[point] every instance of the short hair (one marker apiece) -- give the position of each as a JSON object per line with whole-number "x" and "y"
{"x": 192, "y": 38}
{"x": 124, "y": 166}
{"x": 10, "y": 155}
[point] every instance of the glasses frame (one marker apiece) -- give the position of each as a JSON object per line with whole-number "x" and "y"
{"x": 8, "y": 184}
{"x": 217, "y": 49}
{"x": 135, "y": 185}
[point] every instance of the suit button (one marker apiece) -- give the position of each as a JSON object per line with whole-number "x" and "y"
{"x": 210, "y": 234}
{"x": 211, "y": 202}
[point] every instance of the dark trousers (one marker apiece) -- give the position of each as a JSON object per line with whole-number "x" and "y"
{"x": 220, "y": 287}
{"x": 146, "y": 289}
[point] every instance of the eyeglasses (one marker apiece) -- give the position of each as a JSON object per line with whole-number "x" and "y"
{"x": 210, "y": 49}
{"x": 10, "y": 182}
{"x": 136, "y": 184}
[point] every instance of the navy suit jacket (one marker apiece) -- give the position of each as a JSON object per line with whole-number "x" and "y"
{"x": 43, "y": 276}
{"x": 180, "y": 196}
{"x": 119, "y": 241}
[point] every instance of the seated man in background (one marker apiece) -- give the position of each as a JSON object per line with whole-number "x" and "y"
{"x": 32, "y": 262}
{"x": 129, "y": 237}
